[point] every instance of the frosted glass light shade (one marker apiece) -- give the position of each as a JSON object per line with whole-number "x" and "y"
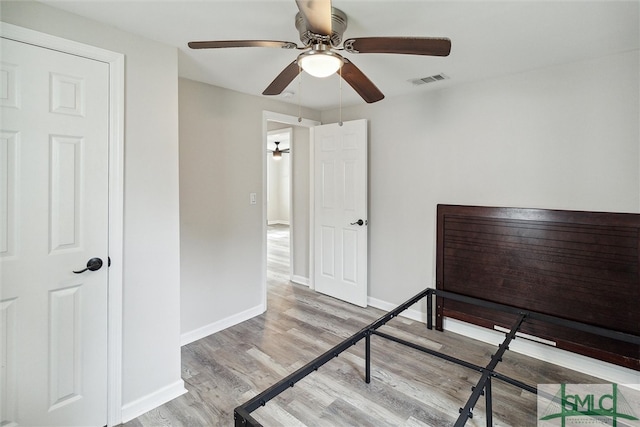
{"x": 320, "y": 64}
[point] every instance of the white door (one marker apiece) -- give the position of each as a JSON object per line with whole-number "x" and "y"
{"x": 54, "y": 132}
{"x": 340, "y": 210}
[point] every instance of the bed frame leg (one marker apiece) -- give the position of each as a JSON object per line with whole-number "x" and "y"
{"x": 488, "y": 406}
{"x": 429, "y": 310}
{"x": 367, "y": 357}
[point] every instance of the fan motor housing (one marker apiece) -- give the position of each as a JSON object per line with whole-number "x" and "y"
{"x": 338, "y": 27}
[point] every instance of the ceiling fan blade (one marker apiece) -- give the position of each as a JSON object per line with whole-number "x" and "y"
{"x": 217, "y": 44}
{"x": 282, "y": 81}
{"x": 286, "y": 150}
{"x": 403, "y": 45}
{"x": 317, "y": 15}
{"x": 360, "y": 83}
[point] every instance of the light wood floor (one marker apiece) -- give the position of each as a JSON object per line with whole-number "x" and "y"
{"x": 408, "y": 388}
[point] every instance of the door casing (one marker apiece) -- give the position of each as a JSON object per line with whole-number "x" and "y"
{"x": 116, "y": 194}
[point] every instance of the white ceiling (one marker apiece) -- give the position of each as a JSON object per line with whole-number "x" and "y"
{"x": 281, "y": 137}
{"x": 489, "y": 39}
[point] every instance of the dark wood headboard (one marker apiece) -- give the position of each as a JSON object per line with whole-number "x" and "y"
{"x": 581, "y": 266}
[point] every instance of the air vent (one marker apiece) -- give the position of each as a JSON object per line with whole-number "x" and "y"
{"x": 430, "y": 79}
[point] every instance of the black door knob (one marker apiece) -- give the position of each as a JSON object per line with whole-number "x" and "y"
{"x": 358, "y": 222}
{"x": 92, "y": 265}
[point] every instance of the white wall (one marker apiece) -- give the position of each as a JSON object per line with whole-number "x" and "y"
{"x": 279, "y": 176}
{"x": 221, "y": 163}
{"x": 151, "y": 308}
{"x": 278, "y": 189}
{"x": 300, "y": 200}
{"x": 565, "y": 137}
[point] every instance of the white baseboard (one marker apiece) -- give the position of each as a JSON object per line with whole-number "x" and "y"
{"x": 212, "y": 328}
{"x": 278, "y": 221}
{"x": 152, "y": 400}
{"x": 566, "y": 359}
{"x": 577, "y": 362}
{"x": 410, "y": 313}
{"x": 300, "y": 280}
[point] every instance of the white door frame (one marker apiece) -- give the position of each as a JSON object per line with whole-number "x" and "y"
{"x": 270, "y": 116}
{"x": 116, "y": 192}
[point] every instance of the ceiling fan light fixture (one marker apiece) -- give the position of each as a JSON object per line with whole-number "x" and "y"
{"x": 277, "y": 155}
{"x": 320, "y": 63}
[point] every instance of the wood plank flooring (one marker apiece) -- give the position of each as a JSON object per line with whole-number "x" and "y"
{"x": 408, "y": 388}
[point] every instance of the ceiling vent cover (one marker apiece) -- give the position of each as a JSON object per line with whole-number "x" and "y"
{"x": 430, "y": 79}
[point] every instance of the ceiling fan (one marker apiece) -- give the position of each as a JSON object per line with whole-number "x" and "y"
{"x": 277, "y": 153}
{"x": 321, "y": 27}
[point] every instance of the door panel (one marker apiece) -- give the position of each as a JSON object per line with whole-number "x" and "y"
{"x": 64, "y": 196}
{"x": 328, "y": 185}
{"x": 8, "y": 182}
{"x": 340, "y": 201}
{"x": 328, "y": 252}
{"x": 54, "y": 217}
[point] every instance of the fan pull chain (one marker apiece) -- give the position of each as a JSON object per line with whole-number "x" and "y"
{"x": 340, "y": 91}
{"x": 299, "y": 90}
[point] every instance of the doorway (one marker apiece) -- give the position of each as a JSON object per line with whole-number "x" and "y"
{"x": 290, "y": 236}
{"x": 279, "y": 212}
{"x": 344, "y": 237}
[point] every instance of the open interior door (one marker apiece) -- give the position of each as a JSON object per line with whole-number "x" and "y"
{"x": 340, "y": 211}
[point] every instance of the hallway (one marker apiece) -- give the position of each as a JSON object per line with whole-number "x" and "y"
{"x": 278, "y": 253}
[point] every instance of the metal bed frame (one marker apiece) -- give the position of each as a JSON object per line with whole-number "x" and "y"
{"x": 242, "y": 414}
